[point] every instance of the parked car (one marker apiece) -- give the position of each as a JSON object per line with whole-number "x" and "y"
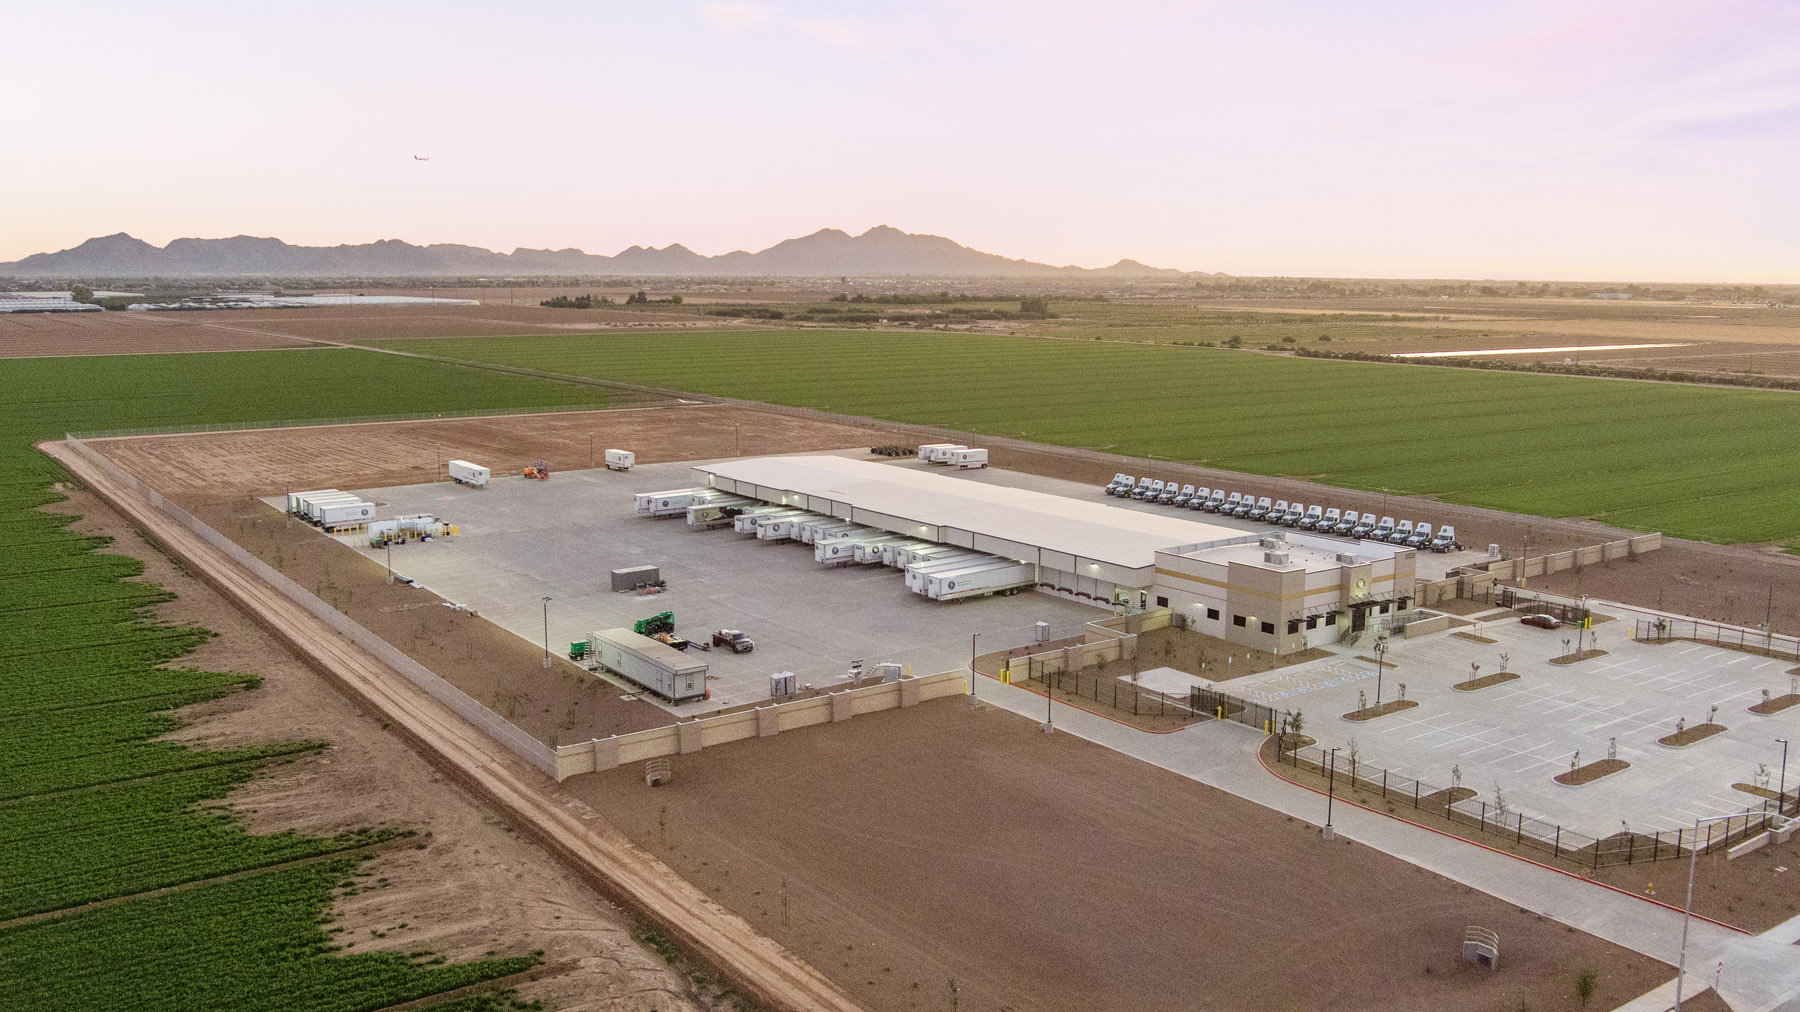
{"x": 739, "y": 642}
{"x": 1542, "y": 621}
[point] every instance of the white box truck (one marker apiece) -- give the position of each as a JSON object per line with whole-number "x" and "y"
{"x": 464, "y": 473}
{"x": 970, "y": 458}
{"x": 928, "y": 449}
{"x": 656, "y": 666}
{"x": 1003, "y": 577}
{"x": 620, "y": 460}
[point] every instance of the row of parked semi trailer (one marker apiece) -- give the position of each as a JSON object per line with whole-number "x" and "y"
{"x": 938, "y": 571}
{"x": 1342, "y": 522}
{"x": 330, "y": 508}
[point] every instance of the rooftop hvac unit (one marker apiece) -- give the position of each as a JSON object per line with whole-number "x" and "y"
{"x": 1346, "y": 558}
{"x": 1043, "y": 632}
{"x": 1269, "y": 541}
{"x": 1276, "y": 558}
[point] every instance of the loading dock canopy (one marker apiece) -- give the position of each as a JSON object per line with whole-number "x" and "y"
{"x": 1051, "y": 530}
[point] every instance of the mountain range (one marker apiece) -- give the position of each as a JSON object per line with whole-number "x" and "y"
{"x": 881, "y": 251}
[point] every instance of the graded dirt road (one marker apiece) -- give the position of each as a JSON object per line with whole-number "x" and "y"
{"x": 589, "y": 846}
{"x": 957, "y": 842}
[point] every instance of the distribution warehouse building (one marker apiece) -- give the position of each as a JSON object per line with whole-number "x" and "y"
{"x": 1248, "y": 588}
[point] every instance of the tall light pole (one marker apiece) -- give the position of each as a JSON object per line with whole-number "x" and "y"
{"x": 1781, "y": 793}
{"x": 546, "y": 632}
{"x": 1687, "y": 912}
{"x": 1381, "y": 647}
{"x": 390, "y": 556}
{"x": 972, "y": 640}
{"x": 1330, "y": 791}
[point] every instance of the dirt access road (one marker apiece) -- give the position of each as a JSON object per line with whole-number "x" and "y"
{"x": 955, "y": 841}
{"x": 589, "y": 845}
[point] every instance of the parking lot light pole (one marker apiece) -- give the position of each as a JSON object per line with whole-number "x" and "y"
{"x": 1330, "y": 791}
{"x": 1781, "y": 793}
{"x": 972, "y": 640}
{"x": 1381, "y": 647}
{"x": 1687, "y": 912}
{"x": 546, "y": 632}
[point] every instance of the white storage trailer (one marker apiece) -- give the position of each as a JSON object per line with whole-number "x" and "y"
{"x": 620, "y": 460}
{"x": 465, "y": 473}
{"x": 295, "y": 500}
{"x": 334, "y": 515}
{"x": 970, "y": 458}
{"x": 916, "y": 574}
{"x": 935, "y": 550}
{"x": 941, "y": 453}
{"x": 876, "y": 552}
{"x": 1002, "y": 577}
{"x": 670, "y": 503}
{"x": 928, "y": 449}
{"x": 780, "y": 528}
{"x": 813, "y": 533}
{"x": 656, "y": 666}
{"x": 750, "y": 522}
{"x": 851, "y": 549}
{"x": 314, "y": 508}
{"x": 712, "y": 512}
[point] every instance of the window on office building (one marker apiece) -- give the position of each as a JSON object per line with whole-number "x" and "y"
{"x": 1212, "y": 613}
{"x": 1268, "y": 628}
{"x": 1293, "y": 626}
{"x": 1237, "y": 620}
{"x": 1162, "y": 602}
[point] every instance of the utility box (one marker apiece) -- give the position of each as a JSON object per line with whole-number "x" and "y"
{"x": 633, "y": 577}
{"x": 620, "y": 460}
{"x": 1043, "y": 632}
{"x": 782, "y": 684}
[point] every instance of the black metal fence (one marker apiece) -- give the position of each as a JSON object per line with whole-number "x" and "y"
{"x": 1527, "y": 603}
{"x": 1756, "y": 641}
{"x": 1493, "y": 818}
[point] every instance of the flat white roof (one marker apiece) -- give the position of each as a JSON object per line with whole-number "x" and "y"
{"x": 1089, "y": 530}
{"x": 1305, "y": 551}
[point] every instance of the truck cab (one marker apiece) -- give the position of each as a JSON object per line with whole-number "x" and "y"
{"x": 1445, "y": 540}
{"x": 1230, "y": 505}
{"x": 1171, "y": 489}
{"x": 1246, "y": 506}
{"x": 1296, "y": 511}
{"x": 1112, "y": 487}
{"x": 1421, "y": 536}
{"x": 1399, "y": 534}
{"x": 1259, "y": 510}
{"x": 1198, "y": 500}
{"x": 1364, "y": 527}
{"x": 1347, "y": 524}
{"x": 1215, "y": 501}
{"x": 1147, "y": 488}
{"x": 1382, "y": 529}
{"x": 1315, "y": 515}
{"x": 1182, "y": 498}
{"x": 1329, "y": 523}
{"x": 1275, "y": 512}
{"x": 1138, "y": 491}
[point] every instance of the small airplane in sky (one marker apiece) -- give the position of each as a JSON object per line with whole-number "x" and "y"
{"x": 416, "y": 158}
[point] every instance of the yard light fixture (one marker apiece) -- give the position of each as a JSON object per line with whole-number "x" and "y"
{"x": 1330, "y": 790}
{"x": 546, "y": 632}
{"x": 1781, "y": 793}
{"x": 1687, "y": 913}
{"x": 1381, "y": 648}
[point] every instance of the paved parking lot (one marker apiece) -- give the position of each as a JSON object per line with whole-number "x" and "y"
{"x": 525, "y": 540}
{"x": 1520, "y": 734}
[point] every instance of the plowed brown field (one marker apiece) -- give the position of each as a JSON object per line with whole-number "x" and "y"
{"x": 49, "y": 335}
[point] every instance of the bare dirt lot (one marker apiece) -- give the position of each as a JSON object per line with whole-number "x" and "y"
{"x": 476, "y": 886}
{"x": 45, "y": 335}
{"x": 956, "y": 842}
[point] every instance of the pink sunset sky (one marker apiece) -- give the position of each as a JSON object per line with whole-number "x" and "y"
{"x": 1648, "y": 140}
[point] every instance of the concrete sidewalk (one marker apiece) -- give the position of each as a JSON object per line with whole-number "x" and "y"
{"x": 1762, "y": 972}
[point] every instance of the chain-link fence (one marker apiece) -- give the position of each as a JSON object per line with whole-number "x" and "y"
{"x": 533, "y": 751}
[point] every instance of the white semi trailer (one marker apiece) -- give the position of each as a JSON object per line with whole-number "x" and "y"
{"x": 620, "y": 460}
{"x": 934, "y": 550}
{"x": 313, "y": 506}
{"x": 941, "y": 453}
{"x": 1001, "y": 577}
{"x": 926, "y": 451}
{"x": 852, "y": 549}
{"x": 780, "y": 528}
{"x": 656, "y": 666}
{"x": 296, "y": 500}
{"x": 752, "y": 523}
{"x": 971, "y": 458}
{"x": 349, "y": 514}
{"x": 917, "y": 574}
{"x": 465, "y": 473}
{"x": 813, "y": 533}
{"x": 711, "y": 513}
{"x": 671, "y": 503}
{"x": 872, "y": 553}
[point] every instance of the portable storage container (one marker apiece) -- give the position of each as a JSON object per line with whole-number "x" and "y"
{"x": 620, "y": 460}
{"x": 656, "y": 666}
{"x": 633, "y": 577}
{"x": 465, "y": 473}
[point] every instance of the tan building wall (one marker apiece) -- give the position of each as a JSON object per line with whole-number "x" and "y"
{"x": 1281, "y": 610}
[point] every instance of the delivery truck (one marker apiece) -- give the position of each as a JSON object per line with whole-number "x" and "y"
{"x": 465, "y": 473}
{"x": 658, "y": 667}
{"x": 1002, "y": 576}
{"x": 620, "y": 460}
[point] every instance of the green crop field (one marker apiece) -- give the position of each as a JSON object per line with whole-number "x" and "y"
{"x": 1696, "y": 462}
{"x": 92, "y": 807}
